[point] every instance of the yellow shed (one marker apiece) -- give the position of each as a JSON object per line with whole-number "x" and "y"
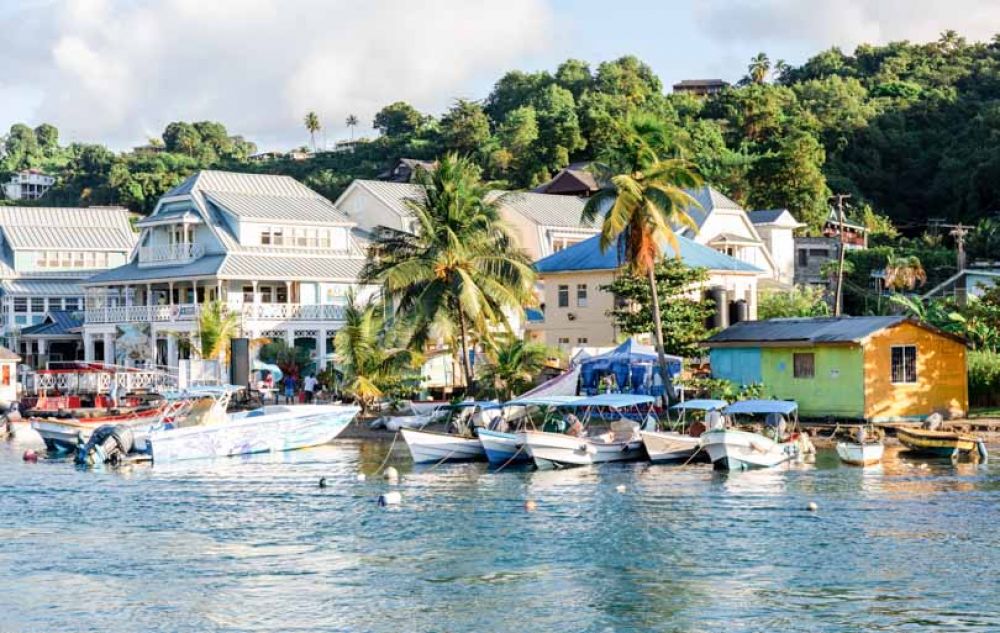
{"x": 912, "y": 370}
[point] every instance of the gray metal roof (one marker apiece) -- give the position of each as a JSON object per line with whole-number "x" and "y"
{"x": 41, "y": 287}
{"x": 313, "y": 210}
{"x": 131, "y": 272}
{"x": 301, "y": 267}
{"x": 805, "y": 330}
{"x": 394, "y": 194}
{"x": 56, "y": 323}
{"x": 69, "y": 228}
{"x": 545, "y": 209}
{"x": 238, "y": 182}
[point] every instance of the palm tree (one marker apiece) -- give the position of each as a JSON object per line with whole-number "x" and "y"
{"x": 513, "y": 365}
{"x": 217, "y": 326}
{"x": 904, "y": 273}
{"x": 366, "y": 350}
{"x": 759, "y": 67}
{"x": 458, "y": 275}
{"x": 352, "y": 122}
{"x": 642, "y": 200}
{"x": 312, "y": 125}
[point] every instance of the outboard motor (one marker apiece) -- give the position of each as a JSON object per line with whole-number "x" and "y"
{"x": 108, "y": 444}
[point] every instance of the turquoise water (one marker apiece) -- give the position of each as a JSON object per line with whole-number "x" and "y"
{"x": 256, "y": 545}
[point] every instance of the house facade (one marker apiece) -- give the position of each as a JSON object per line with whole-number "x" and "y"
{"x": 776, "y": 228}
{"x": 268, "y": 248}
{"x": 29, "y": 184}
{"x": 871, "y": 368}
{"x": 575, "y": 308}
{"x": 45, "y": 255}
{"x": 812, "y": 252}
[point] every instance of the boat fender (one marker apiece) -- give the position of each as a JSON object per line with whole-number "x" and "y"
{"x": 813, "y": 506}
{"x": 530, "y": 505}
{"x": 620, "y": 488}
{"x": 984, "y": 456}
{"x": 30, "y": 456}
{"x": 322, "y": 482}
{"x": 391, "y": 475}
{"x": 390, "y": 499}
{"x": 361, "y": 477}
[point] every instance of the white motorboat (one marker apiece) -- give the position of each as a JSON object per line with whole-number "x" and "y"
{"x": 267, "y": 429}
{"x": 734, "y": 449}
{"x": 682, "y": 443}
{"x": 503, "y": 446}
{"x": 429, "y": 446}
{"x": 621, "y": 442}
{"x": 855, "y": 454}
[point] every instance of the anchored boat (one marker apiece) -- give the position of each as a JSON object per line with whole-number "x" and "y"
{"x": 576, "y": 447}
{"x": 462, "y": 445}
{"x": 863, "y": 452}
{"x": 504, "y": 446}
{"x": 735, "y": 449}
{"x": 941, "y": 443}
{"x": 684, "y": 442}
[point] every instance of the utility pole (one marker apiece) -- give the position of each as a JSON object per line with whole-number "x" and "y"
{"x": 839, "y": 301}
{"x": 959, "y": 232}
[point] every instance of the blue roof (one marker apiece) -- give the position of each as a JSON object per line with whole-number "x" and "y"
{"x": 750, "y": 407}
{"x": 701, "y": 405}
{"x": 56, "y": 323}
{"x": 543, "y": 401}
{"x": 614, "y": 400}
{"x": 534, "y": 315}
{"x": 587, "y": 255}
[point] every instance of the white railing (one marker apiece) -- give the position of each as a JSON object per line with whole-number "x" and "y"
{"x": 190, "y": 312}
{"x": 171, "y": 253}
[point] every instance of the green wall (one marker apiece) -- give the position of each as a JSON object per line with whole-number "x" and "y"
{"x": 836, "y": 390}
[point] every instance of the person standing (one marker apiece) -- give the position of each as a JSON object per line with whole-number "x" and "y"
{"x": 289, "y": 382}
{"x": 309, "y": 386}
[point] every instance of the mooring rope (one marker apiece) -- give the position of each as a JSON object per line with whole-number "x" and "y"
{"x": 443, "y": 460}
{"x": 512, "y": 458}
{"x": 693, "y": 455}
{"x": 387, "y": 455}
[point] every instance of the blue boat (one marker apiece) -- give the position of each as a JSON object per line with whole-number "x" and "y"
{"x": 503, "y": 447}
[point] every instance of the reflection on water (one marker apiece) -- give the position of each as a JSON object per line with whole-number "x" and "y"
{"x": 255, "y": 544}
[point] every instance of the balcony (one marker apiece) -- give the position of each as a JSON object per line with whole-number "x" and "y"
{"x": 181, "y": 253}
{"x": 187, "y": 312}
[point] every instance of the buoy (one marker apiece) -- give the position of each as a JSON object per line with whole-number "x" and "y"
{"x": 322, "y": 482}
{"x": 390, "y": 499}
{"x": 361, "y": 477}
{"x": 620, "y": 488}
{"x": 391, "y": 474}
{"x": 530, "y": 505}
{"x": 30, "y": 456}
{"x": 813, "y": 507}
{"x": 924, "y": 466}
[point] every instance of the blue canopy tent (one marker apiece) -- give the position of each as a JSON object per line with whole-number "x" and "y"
{"x": 635, "y": 369}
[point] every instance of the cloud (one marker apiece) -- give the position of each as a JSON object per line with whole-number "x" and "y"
{"x": 118, "y": 70}
{"x": 845, "y": 23}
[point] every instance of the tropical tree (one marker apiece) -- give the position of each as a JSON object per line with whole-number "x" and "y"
{"x": 312, "y": 126}
{"x": 367, "y": 350}
{"x": 459, "y": 273}
{"x": 512, "y": 365}
{"x": 217, "y": 326}
{"x": 759, "y": 67}
{"x": 641, "y": 201}
{"x": 352, "y": 122}
{"x": 904, "y": 273}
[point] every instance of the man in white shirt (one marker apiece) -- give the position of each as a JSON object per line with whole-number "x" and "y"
{"x": 309, "y": 386}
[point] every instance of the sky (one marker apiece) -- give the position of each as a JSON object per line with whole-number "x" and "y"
{"x": 117, "y": 71}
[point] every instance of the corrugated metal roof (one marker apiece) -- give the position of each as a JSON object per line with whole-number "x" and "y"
{"x": 710, "y": 199}
{"x": 269, "y": 267}
{"x": 805, "y": 330}
{"x": 76, "y": 228}
{"x": 315, "y": 209}
{"x": 765, "y": 216}
{"x": 587, "y": 255}
{"x": 41, "y": 287}
{"x": 56, "y": 323}
{"x": 131, "y": 272}
{"x": 546, "y": 209}
{"x": 394, "y": 194}
{"x": 238, "y": 182}
{"x": 174, "y": 214}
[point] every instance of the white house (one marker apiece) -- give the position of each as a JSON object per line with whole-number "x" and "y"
{"x": 776, "y": 228}
{"x": 29, "y": 184}
{"x": 269, "y": 248}
{"x": 45, "y": 254}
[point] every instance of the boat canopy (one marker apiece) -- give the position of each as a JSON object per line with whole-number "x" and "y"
{"x": 751, "y": 407}
{"x": 482, "y": 404}
{"x": 701, "y": 405}
{"x": 613, "y": 400}
{"x": 543, "y": 401}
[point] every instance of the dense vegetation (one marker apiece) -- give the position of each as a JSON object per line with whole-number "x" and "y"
{"x": 909, "y": 129}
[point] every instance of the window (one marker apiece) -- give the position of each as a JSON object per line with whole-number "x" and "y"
{"x": 265, "y": 237}
{"x": 803, "y": 365}
{"x": 564, "y": 297}
{"x": 88, "y": 260}
{"x": 101, "y": 260}
{"x": 582, "y": 340}
{"x": 803, "y": 257}
{"x": 20, "y": 304}
{"x": 581, "y": 295}
{"x": 37, "y": 304}
{"x": 819, "y": 252}
{"x": 904, "y": 364}
{"x": 72, "y": 304}
{"x": 78, "y": 260}
{"x": 247, "y": 294}
{"x": 563, "y": 341}
{"x": 40, "y": 260}
{"x": 53, "y": 257}
{"x": 277, "y": 236}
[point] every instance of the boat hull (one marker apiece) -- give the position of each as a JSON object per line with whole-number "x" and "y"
{"x": 300, "y": 427}
{"x": 742, "y": 450}
{"x": 556, "y": 450}
{"x": 504, "y": 448}
{"x": 426, "y": 447}
{"x": 860, "y": 454}
{"x": 665, "y": 446}
{"x": 62, "y": 436}
{"x": 936, "y": 443}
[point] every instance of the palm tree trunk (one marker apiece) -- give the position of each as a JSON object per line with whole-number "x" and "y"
{"x": 668, "y": 385}
{"x": 465, "y": 354}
